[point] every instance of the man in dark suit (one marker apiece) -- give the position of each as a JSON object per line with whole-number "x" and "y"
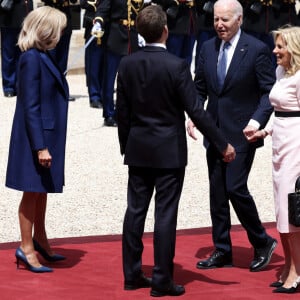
{"x": 154, "y": 89}
{"x": 239, "y": 106}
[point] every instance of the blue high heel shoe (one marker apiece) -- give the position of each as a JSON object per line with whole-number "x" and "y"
{"x": 43, "y": 252}
{"x": 20, "y": 256}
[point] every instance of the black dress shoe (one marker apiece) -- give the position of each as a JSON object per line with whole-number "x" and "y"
{"x": 276, "y": 284}
{"x": 141, "y": 282}
{"x": 284, "y": 290}
{"x": 217, "y": 260}
{"x": 262, "y": 256}
{"x": 110, "y": 122}
{"x": 72, "y": 98}
{"x": 9, "y": 94}
{"x": 95, "y": 104}
{"x": 173, "y": 290}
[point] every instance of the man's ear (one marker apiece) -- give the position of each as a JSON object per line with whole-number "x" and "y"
{"x": 166, "y": 32}
{"x": 240, "y": 20}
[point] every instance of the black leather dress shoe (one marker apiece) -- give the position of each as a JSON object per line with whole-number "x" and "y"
{"x": 95, "y": 104}
{"x": 173, "y": 290}
{"x": 9, "y": 94}
{"x": 141, "y": 282}
{"x": 276, "y": 284}
{"x": 262, "y": 256}
{"x": 217, "y": 260}
{"x": 110, "y": 122}
{"x": 72, "y": 98}
{"x": 284, "y": 290}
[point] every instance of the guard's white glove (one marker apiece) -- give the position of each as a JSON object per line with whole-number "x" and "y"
{"x": 147, "y": 1}
{"x": 96, "y": 28}
{"x": 141, "y": 41}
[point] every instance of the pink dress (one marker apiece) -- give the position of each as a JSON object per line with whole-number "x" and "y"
{"x": 285, "y": 131}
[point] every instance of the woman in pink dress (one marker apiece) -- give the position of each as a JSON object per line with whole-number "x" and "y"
{"x": 285, "y": 132}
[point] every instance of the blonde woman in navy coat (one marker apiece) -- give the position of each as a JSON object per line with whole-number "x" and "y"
{"x": 37, "y": 145}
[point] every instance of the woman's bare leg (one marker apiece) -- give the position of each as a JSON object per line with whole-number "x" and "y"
{"x": 294, "y": 272}
{"x": 40, "y": 234}
{"x": 27, "y": 211}
{"x": 287, "y": 257}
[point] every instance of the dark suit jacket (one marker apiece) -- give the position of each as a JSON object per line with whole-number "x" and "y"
{"x": 40, "y": 122}
{"x": 154, "y": 89}
{"x": 245, "y": 93}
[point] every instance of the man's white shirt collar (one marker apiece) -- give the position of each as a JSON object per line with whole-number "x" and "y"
{"x": 156, "y": 45}
{"x": 233, "y": 42}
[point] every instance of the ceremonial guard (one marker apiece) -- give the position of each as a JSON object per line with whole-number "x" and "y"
{"x": 117, "y": 17}
{"x": 61, "y": 51}
{"x": 205, "y": 11}
{"x": 182, "y": 21}
{"x": 94, "y": 55}
{"x": 263, "y": 16}
{"x": 12, "y": 14}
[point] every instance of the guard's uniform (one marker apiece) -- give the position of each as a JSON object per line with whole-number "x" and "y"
{"x": 117, "y": 17}
{"x": 61, "y": 51}
{"x": 94, "y": 55}
{"x": 261, "y": 17}
{"x": 10, "y": 25}
{"x": 183, "y": 26}
{"x": 205, "y": 11}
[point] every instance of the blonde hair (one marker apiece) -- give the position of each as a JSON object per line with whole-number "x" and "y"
{"x": 291, "y": 37}
{"x": 42, "y": 29}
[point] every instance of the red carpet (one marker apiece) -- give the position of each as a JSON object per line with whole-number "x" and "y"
{"x": 93, "y": 270}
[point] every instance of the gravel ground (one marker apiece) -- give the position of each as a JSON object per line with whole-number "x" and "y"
{"x": 94, "y": 198}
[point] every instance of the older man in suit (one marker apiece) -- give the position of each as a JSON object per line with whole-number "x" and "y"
{"x": 154, "y": 89}
{"x": 235, "y": 74}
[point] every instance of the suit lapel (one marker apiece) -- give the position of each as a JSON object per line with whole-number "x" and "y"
{"x": 55, "y": 71}
{"x": 238, "y": 55}
{"x": 214, "y": 61}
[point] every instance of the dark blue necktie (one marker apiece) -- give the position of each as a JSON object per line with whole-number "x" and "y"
{"x": 221, "y": 67}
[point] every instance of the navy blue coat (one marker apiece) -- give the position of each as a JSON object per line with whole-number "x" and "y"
{"x": 40, "y": 121}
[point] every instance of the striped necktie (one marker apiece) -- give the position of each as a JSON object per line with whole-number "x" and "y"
{"x": 222, "y": 63}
